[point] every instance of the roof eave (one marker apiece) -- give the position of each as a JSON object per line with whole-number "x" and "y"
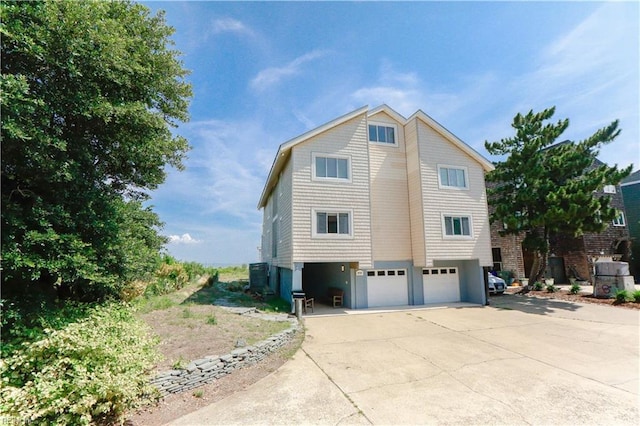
{"x": 486, "y": 164}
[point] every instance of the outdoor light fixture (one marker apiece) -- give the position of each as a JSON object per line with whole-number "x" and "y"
{"x": 342, "y": 268}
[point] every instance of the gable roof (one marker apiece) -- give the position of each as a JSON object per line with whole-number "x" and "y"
{"x": 284, "y": 151}
{"x": 486, "y": 164}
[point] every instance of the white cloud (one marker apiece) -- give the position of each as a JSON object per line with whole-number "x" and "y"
{"x": 182, "y": 239}
{"x": 229, "y": 25}
{"x": 271, "y": 76}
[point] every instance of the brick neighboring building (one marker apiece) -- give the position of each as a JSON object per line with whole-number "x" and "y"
{"x": 569, "y": 256}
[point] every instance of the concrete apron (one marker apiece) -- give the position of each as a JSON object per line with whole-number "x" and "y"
{"x": 518, "y": 361}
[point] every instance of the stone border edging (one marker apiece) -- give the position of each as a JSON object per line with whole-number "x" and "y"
{"x": 212, "y": 367}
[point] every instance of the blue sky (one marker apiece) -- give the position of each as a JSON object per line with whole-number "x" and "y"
{"x": 265, "y": 72}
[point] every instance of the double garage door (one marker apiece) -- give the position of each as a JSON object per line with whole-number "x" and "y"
{"x": 441, "y": 285}
{"x": 387, "y": 287}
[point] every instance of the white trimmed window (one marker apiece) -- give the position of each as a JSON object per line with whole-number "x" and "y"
{"x": 457, "y": 226}
{"x": 331, "y": 167}
{"x": 382, "y": 133}
{"x": 453, "y": 177}
{"x": 619, "y": 220}
{"x": 331, "y": 223}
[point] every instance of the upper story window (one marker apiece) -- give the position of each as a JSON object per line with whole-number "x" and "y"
{"x": 457, "y": 226}
{"x": 381, "y": 133}
{"x": 619, "y": 220}
{"x": 453, "y": 177}
{"x": 332, "y": 223}
{"x": 330, "y": 167}
{"x": 609, "y": 189}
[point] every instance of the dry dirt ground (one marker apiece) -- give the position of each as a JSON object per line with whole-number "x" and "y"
{"x": 184, "y": 343}
{"x": 177, "y": 405}
{"x": 192, "y": 323}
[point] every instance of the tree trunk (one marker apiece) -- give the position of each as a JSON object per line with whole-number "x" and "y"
{"x": 540, "y": 262}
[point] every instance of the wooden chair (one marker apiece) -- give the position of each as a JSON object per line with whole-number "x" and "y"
{"x": 307, "y": 303}
{"x": 336, "y": 296}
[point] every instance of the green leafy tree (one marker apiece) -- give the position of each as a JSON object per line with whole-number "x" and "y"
{"x": 90, "y": 93}
{"x": 542, "y": 189}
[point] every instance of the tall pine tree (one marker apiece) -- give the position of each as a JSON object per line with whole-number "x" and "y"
{"x": 543, "y": 188}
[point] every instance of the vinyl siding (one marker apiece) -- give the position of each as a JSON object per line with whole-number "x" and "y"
{"x": 391, "y": 227}
{"x": 282, "y": 190}
{"x": 415, "y": 195}
{"x": 348, "y": 139}
{"x": 434, "y": 150}
{"x": 284, "y": 258}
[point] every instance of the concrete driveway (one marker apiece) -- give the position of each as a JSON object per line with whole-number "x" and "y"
{"x": 518, "y": 361}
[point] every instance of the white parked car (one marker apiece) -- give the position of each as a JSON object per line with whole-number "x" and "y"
{"x": 496, "y": 285}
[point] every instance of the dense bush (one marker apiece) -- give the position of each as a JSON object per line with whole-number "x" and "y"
{"x": 636, "y": 296}
{"x": 89, "y": 370}
{"x": 91, "y": 93}
{"x": 169, "y": 278}
{"x": 196, "y": 270}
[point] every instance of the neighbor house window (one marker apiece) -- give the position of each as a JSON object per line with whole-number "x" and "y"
{"x": 457, "y": 226}
{"x": 497, "y": 258}
{"x": 609, "y": 189}
{"x": 328, "y": 223}
{"x": 330, "y": 167}
{"x": 382, "y": 134}
{"x": 619, "y": 221}
{"x": 453, "y": 177}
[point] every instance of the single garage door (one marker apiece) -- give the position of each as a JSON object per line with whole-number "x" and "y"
{"x": 387, "y": 287}
{"x": 441, "y": 285}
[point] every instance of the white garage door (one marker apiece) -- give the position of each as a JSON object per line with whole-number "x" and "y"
{"x": 441, "y": 285}
{"x": 387, "y": 287}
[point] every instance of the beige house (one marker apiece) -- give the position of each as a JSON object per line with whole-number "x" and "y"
{"x": 391, "y": 210}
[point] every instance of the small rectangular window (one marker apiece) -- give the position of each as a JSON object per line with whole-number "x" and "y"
{"x": 425, "y": 272}
{"x": 443, "y": 271}
{"x": 609, "y": 189}
{"x": 400, "y": 273}
{"x": 453, "y": 177}
{"x": 452, "y": 271}
{"x": 371, "y": 273}
{"x": 457, "y": 226}
{"x": 331, "y": 167}
{"x": 382, "y": 134}
{"x": 619, "y": 220}
{"x": 381, "y": 273}
{"x": 434, "y": 272}
{"x": 332, "y": 223}
{"x": 391, "y": 273}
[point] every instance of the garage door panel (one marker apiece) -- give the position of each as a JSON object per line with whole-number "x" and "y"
{"x": 387, "y": 288}
{"x": 441, "y": 285}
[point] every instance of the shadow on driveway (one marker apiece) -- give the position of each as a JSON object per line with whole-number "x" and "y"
{"x": 532, "y": 305}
